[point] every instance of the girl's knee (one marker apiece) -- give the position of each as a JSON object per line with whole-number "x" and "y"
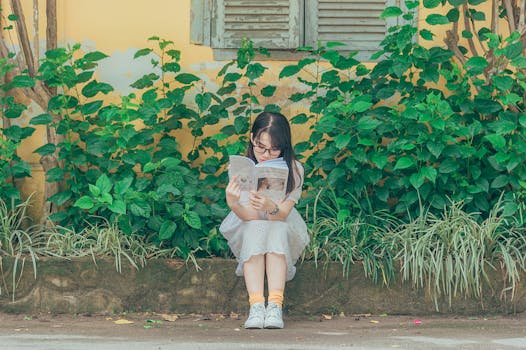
{"x": 275, "y": 256}
{"x": 255, "y": 258}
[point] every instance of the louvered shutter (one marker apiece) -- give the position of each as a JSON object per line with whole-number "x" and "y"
{"x": 273, "y": 24}
{"x": 356, "y": 23}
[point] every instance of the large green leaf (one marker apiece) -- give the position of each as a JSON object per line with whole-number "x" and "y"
{"x": 142, "y": 52}
{"x": 476, "y": 65}
{"x": 203, "y": 101}
{"x": 46, "y": 150}
{"x": 95, "y": 56}
{"x": 21, "y": 169}
{"x": 417, "y": 180}
{"x": 368, "y": 123}
{"x": 268, "y": 91}
{"x": 502, "y": 83}
{"x": 514, "y": 50}
{"x": 289, "y": 70}
{"x": 448, "y": 166}
{"x": 22, "y": 81}
{"x": 404, "y": 163}
{"x": 426, "y": 34}
{"x": 391, "y": 11}
{"x": 436, "y": 19}
{"x": 118, "y": 207}
{"x": 342, "y": 140}
{"x": 186, "y": 78}
{"x": 140, "y": 208}
{"x": 84, "y": 202}
{"x": 429, "y": 172}
{"x": 16, "y": 133}
{"x": 41, "y": 119}
{"x": 104, "y": 183}
{"x": 380, "y": 160}
{"x": 167, "y": 230}
{"x": 498, "y": 141}
{"x": 122, "y": 186}
{"x": 435, "y": 148}
{"x": 254, "y": 71}
{"x": 192, "y": 219}
{"x": 94, "y": 87}
{"x": 431, "y": 4}
{"x": 500, "y": 181}
{"x": 61, "y": 197}
{"x": 91, "y": 107}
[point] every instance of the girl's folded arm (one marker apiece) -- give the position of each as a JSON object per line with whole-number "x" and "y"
{"x": 284, "y": 209}
{"x": 245, "y": 213}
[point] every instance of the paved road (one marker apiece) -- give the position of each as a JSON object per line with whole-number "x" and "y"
{"x": 149, "y": 331}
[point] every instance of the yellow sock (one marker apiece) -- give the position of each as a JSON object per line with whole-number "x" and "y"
{"x": 276, "y": 296}
{"x": 254, "y": 298}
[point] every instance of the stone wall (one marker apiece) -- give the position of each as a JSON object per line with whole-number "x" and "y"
{"x": 81, "y": 286}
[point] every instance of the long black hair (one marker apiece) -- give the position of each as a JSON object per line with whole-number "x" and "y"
{"x": 278, "y": 128}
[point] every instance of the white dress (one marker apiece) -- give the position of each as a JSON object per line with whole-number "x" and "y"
{"x": 256, "y": 237}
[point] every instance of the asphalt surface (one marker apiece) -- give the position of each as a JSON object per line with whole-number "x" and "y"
{"x": 163, "y": 332}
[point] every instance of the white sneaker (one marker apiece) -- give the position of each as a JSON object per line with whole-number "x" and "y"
{"x": 273, "y": 317}
{"x": 256, "y": 317}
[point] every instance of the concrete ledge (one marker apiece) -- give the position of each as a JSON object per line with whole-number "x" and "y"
{"x": 80, "y": 286}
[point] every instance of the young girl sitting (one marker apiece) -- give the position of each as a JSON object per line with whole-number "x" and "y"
{"x": 264, "y": 235}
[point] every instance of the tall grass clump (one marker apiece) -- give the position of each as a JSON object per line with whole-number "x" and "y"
{"x": 95, "y": 241}
{"x": 17, "y": 239}
{"x": 338, "y": 236}
{"x": 103, "y": 240}
{"x": 450, "y": 255}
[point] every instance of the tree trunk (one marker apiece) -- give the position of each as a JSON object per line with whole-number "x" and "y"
{"x": 23, "y": 37}
{"x": 40, "y": 93}
{"x": 51, "y": 161}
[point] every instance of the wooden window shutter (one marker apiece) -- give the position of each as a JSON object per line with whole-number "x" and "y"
{"x": 200, "y": 11}
{"x": 273, "y": 24}
{"x": 356, "y": 23}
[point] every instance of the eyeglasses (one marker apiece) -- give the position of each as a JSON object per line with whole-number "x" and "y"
{"x": 261, "y": 150}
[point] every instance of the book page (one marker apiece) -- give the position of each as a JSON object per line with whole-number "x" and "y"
{"x": 269, "y": 177}
{"x": 243, "y": 168}
{"x": 272, "y": 182}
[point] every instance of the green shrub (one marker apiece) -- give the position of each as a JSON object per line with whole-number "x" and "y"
{"x": 387, "y": 137}
{"x": 12, "y": 167}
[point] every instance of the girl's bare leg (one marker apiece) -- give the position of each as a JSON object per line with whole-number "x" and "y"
{"x": 276, "y": 271}
{"x": 254, "y": 272}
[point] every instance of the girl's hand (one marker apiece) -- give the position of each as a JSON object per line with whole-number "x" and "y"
{"x": 233, "y": 192}
{"x": 261, "y": 202}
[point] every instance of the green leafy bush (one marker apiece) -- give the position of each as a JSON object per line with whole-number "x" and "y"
{"x": 11, "y": 165}
{"x": 122, "y": 161}
{"x": 390, "y": 138}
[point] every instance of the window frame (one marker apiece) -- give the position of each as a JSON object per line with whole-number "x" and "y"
{"x": 203, "y": 20}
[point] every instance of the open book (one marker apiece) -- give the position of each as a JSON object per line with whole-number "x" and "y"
{"x": 269, "y": 177}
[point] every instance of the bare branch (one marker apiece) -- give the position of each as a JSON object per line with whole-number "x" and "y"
{"x": 36, "y": 37}
{"x": 495, "y": 16}
{"x": 51, "y": 26}
{"x": 522, "y": 8}
{"x": 468, "y": 24}
{"x": 4, "y": 50}
{"x": 451, "y": 40}
{"x": 509, "y": 13}
{"x": 23, "y": 36}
